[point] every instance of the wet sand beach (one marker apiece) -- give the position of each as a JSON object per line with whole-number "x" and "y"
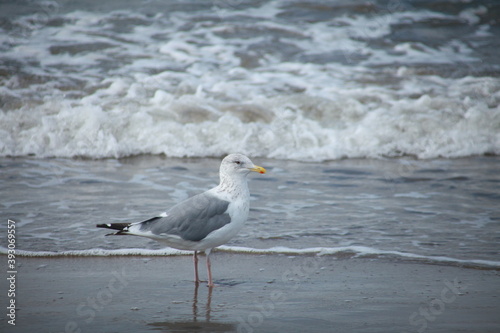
{"x": 253, "y": 293}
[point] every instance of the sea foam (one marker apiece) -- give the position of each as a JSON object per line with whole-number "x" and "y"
{"x": 205, "y": 83}
{"x": 350, "y": 251}
{"x": 351, "y": 123}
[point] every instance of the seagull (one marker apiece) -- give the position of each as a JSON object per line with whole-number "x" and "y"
{"x": 204, "y": 221}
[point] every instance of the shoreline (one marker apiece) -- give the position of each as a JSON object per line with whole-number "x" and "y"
{"x": 253, "y": 293}
{"x": 348, "y": 252}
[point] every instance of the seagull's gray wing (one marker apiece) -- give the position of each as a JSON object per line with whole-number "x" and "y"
{"x": 192, "y": 219}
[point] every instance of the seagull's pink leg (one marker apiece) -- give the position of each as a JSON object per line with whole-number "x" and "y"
{"x": 195, "y": 259}
{"x": 209, "y": 269}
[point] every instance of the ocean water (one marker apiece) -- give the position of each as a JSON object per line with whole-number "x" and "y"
{"x": 296, "y": 80}
{"x": 379, "y": 122}
{"x": 441, "y": 210}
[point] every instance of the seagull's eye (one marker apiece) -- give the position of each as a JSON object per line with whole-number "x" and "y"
{"x": 237, "y": 162}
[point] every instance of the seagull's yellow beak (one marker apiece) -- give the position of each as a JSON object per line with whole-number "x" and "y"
{"x": 258, "y": 169}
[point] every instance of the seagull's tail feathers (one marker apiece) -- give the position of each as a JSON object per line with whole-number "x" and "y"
{"x": 121, "y": 227}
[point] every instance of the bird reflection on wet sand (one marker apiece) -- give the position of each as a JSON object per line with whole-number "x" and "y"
{"x": 208, "y": 308}
{"x": 200, "y": 321}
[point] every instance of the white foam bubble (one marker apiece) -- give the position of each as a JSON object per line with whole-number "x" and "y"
{"x": 188, "y": 92}
{"x": 96, "y": 252}
{"x": 427, "y": 127}
{"x": 357, "y": 251}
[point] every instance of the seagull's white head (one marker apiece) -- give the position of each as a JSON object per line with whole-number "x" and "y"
{"x": 238, "y": 164}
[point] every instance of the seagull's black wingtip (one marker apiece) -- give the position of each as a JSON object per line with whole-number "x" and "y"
{"x": 115, "y": 226}
{"x": 121, "y": 227}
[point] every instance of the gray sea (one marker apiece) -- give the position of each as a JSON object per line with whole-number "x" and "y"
{"x": 442, "y": 210}
{"x": 379, "y": 122}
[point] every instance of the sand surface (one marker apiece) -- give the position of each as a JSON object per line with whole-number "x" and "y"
{"x": 254, "y": 293}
